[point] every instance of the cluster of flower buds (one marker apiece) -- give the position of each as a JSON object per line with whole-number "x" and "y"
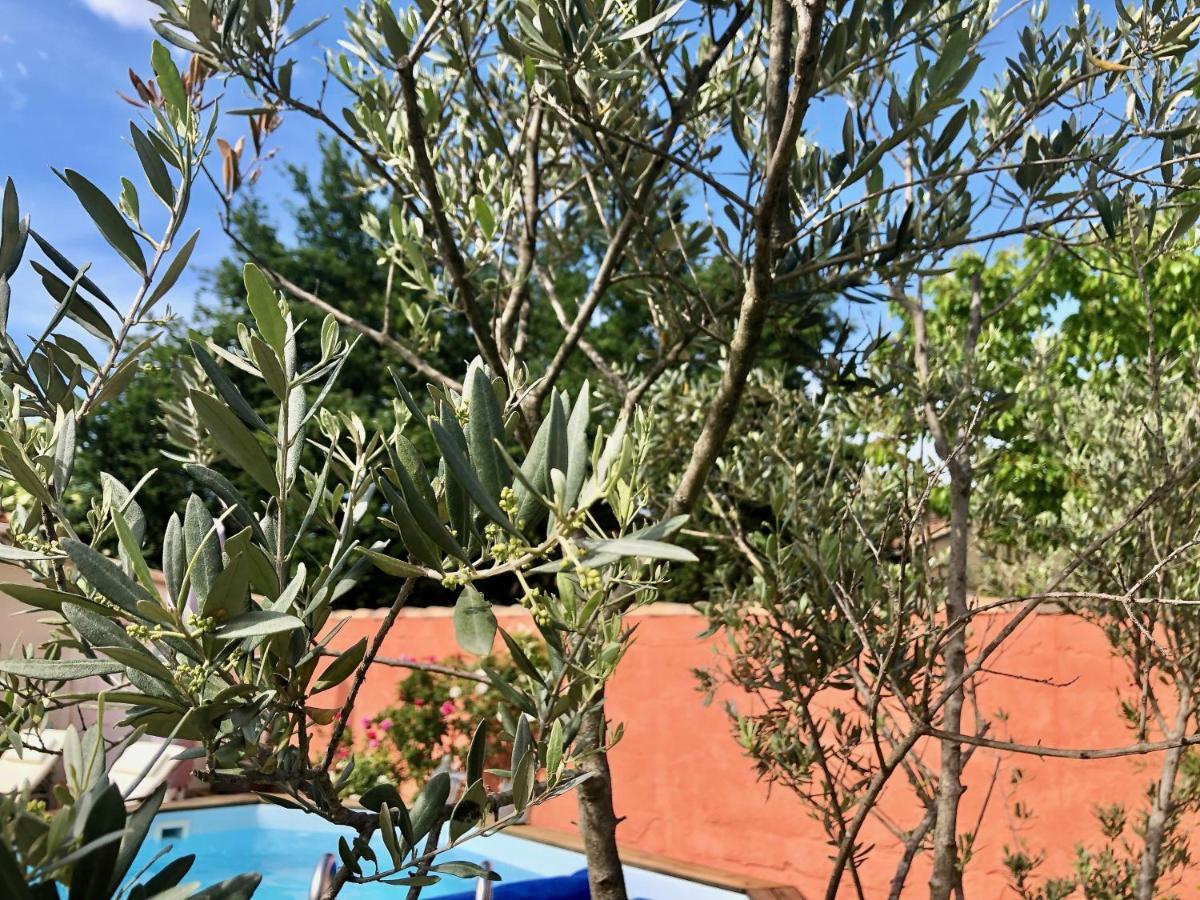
{"x": 504, "y": 546}
{"x": 143, "y": 632}
{"x": 190, "y": 678}
{"x": 536, "y": 601}
{"x": 589, "y": 579}
{"x": 201, "y": 624}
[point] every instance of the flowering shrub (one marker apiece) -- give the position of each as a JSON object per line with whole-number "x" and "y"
{"x": 433, "y": 717}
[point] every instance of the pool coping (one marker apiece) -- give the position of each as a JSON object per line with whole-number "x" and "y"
{"x": 753, "y": 888}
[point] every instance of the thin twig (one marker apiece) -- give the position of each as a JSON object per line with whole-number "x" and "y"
{"x": 343, "y": 716}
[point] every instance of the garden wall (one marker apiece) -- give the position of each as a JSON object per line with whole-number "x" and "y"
{"x": 686, "y": 790}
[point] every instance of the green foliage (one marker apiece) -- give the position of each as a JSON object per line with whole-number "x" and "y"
{"x": 548, "y": 183}
{"x": 88, "y": 842}
{"x": 1109, "y": 870}
{"x": 227, "y": 655}
{"x": 329, "y": 250}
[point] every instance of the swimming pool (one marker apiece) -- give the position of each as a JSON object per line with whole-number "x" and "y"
{"x": 285, "y": 846}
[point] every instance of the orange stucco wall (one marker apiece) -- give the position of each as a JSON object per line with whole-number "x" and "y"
{"x": 686, "y": 791}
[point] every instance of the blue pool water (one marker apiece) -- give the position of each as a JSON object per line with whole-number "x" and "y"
{"x": 285, "y": 846}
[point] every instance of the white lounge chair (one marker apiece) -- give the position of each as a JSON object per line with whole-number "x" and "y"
{"x": 33, "y": 766}
{"x": 145, "y": 764}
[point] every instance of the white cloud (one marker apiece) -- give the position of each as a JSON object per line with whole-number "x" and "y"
{"x": 127, "y": 13}
{"x": 12, "y": 96}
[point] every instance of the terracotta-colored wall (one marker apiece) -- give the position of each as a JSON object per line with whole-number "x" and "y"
{"x": 687, "y": 791}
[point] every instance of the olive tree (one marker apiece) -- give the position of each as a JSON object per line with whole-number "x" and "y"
{"x": 1124, "y": 430}
{"x": 1123, "y": 414}
{"x": 545, "y": 158}
{"x": 233, "y": 654}
{"x": 834, "y": 600}
{"x": 832, "y": 595}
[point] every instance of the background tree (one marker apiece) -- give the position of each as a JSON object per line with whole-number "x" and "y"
{"x": 838, "y": 616}
{"x": 1121, "y": 431}
{"x": 1117, "y": 390}
{"x": 831, "y": 584}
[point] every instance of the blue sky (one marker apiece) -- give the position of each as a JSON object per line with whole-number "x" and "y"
{"x": 61, "y": 65}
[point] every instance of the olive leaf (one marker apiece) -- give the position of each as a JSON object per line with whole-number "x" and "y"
{"x": 474, "y": 622}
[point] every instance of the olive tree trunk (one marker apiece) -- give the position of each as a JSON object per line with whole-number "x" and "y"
{"x": 793, "y": 58}
{"x": 946, "y": 873}
{"x": 954, "y": 446}
{"x": 1162, "y": 803}
{"x": 597, "y": 819}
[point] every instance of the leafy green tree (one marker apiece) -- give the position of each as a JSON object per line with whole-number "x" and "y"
{"x": 1081, "y": 480}
{"x": 1106, "y": 314}
{"x": 1121, "y": 420}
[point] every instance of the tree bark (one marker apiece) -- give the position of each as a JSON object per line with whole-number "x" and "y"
{"x": 597, "y": 819}
{"x": 785, "y": 122}
{"x": 911, "y": 845}
{"x": 945, "y": 875}
{"x": 1162, "y": 803}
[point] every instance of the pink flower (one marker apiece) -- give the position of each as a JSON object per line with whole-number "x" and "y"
{"x": 373, "y": 743}
{"x": 365, "y": 721}
{"x": 419, "y": 702}
{"x": 448, "y": 708}
{"x": 386, "y": 724}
